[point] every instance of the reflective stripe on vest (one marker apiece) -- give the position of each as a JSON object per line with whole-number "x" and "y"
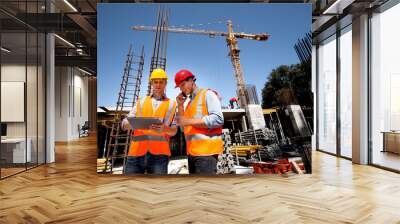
{"x": 203, "y": 137}
{"x": 147, "y": 140}
{"x": 149, "y": 137}
{"x": 201, "y": 141}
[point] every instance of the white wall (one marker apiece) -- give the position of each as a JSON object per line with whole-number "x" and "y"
{"x": 71, "y": 102}
{"x": 81, "y": 94}
{"x": 10, "y": 73}
{"x": 34, "y": 124}
{"x": 61, "y": 103}
{"x": 15, "y": 72}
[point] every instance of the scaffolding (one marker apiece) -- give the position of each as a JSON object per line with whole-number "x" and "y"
{"x": 119, "y": 140}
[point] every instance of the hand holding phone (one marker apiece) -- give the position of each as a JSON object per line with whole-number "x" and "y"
{"x": 180, "y": 99}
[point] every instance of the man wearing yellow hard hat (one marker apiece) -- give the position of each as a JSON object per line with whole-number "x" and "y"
{"x": 149, "y": 150}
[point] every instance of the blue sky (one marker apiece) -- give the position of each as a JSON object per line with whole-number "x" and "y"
{"x": 206, "y": 57}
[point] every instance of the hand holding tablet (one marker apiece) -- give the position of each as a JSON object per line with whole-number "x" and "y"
{"x": 143, "y": 122}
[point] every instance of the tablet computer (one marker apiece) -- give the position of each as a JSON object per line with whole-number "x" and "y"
{"x": 143, "y": 122}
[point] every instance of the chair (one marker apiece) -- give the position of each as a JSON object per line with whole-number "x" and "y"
{"x": 84, "y": 130}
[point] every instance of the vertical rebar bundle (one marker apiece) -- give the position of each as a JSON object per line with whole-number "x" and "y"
{"x": 303, "y": 49}
{"x": 158, "y": 59}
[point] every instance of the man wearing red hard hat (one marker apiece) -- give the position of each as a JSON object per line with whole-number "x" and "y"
{"x": 202, "y": 122}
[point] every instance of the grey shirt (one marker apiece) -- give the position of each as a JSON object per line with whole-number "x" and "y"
{"x": 155, "y": 103}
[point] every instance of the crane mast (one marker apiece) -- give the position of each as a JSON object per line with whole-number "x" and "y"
{"x": 234, "y": 54}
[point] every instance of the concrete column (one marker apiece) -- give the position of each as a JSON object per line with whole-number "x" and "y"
{"x": 314, "y": 91}
{"x": 360, "y": 89}
{"x": 244, "y": 125}
{"x": 50, "y": 99}
{"x": 92, "y": 102}
{"x": 50, "y": 91}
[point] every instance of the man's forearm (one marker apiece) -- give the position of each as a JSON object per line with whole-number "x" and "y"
{"x": 125, "y": 126}
{"x": 180, "y": 110}
{"x": 171, "y": 131}
{"x": 213, "y": 120}
{"x": 198, "y": 122}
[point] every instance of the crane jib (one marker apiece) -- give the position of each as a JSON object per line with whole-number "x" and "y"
{"x": 259, "y": 37}
{"x": 231, "y": 38}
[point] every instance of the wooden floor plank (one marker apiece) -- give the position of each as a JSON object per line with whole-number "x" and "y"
{"x": 70, "y": 191}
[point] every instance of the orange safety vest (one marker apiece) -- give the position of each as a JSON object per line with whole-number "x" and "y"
{"x": 147, "y": 140}
{"x": 201, "y": 141}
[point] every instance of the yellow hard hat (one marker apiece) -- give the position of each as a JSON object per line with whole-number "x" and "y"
{"x": 158, "y": 73}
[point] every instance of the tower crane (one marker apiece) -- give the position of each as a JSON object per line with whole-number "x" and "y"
{"x": 231, "y": 39}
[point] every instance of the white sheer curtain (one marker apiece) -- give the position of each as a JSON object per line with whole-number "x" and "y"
{"x": 327, "y": 95}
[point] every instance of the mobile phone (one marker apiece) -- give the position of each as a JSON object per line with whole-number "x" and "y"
{"x": 184, "y": 95}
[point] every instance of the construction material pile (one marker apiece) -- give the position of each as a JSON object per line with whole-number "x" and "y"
{"x": 263, "y": 152}
{"x": 263, "y": 136}
{"x": 277, "y": 167}
{"x": 226, "y": 162}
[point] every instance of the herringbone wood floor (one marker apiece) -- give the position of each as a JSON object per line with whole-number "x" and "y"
{"x": 70, "y": 191}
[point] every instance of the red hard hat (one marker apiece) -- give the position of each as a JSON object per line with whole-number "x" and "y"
{"x": 181, "y": 76}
